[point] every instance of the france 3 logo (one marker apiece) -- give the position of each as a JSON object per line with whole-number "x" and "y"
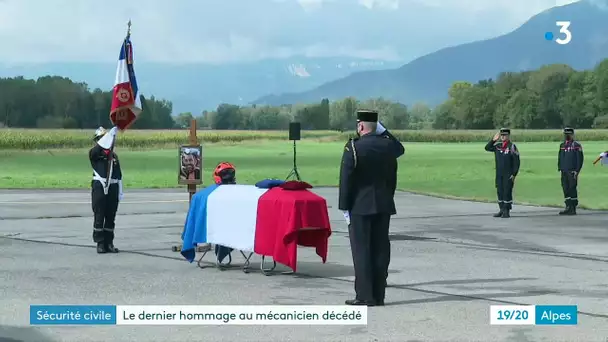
{"x": 564, "y": 30}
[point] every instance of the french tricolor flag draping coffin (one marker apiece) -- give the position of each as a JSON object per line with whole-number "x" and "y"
{"x": 268, "y": 222}
{"x": 125, "y": 100}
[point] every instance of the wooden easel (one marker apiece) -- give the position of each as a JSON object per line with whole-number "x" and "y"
{"x": 193, "y": 140}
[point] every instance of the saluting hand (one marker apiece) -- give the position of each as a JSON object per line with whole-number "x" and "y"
{"x": 496, "y": 136}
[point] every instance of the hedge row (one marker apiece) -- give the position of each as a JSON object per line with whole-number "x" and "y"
{"x": 23, "y": 139}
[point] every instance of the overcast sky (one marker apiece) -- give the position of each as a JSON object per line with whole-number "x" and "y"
{"x": 221, "y": 31}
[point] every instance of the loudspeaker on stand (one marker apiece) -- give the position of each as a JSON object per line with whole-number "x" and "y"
{"x": 294, "y": 131}
{"x": 294, "y": 134}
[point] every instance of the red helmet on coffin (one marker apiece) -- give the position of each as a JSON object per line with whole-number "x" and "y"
{"x": 225, "y": 173}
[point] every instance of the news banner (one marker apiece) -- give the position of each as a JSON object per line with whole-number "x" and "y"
{"x": 196, "y": 315}
{"x": 267, "y": 315}
{"x": 533, "y": 315}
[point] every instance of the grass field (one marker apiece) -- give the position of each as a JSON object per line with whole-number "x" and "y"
{"x": 462, "y": 170}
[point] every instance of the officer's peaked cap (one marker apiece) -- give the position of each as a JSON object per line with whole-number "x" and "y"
{"x": 505, "y": 131}
{"x": 568, "y": 130}
{"x": 367, "y": 115}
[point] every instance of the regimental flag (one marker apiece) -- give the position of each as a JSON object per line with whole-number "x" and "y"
{"x": 269, "y": 222}
{"x": 125, "y": 101}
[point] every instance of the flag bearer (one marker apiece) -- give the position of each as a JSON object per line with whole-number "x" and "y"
{"x": 104, "y": 196}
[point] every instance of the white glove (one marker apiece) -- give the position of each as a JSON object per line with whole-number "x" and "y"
{"x": 120, "y": 193}
{"x": 107, "y": 140}
{"x": 380, "y": 129}
{"x": 114, "y": 131}
{"x": 346, "y": 216}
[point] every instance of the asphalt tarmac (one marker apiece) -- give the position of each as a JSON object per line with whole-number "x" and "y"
{"x": 451, "y": 260}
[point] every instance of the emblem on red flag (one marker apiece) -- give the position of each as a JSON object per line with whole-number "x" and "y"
{"x": 123, "y": 118}
{"x": 123, "y": 95}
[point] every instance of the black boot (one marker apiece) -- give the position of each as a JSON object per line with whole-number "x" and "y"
{"x": 499, "y": 213}
{"x": 566, "y": 211}
{"x": 101, "y": 248}
{"x": 110, "y": 248}
{"x": 505, "y": 213}
{"x": 571, "y": 211}
{"x": 360, "y": 302}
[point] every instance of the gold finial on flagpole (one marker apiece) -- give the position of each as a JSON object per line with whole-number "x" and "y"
{"x": 129, "y": 28}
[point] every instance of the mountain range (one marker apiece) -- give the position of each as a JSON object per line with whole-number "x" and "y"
{"x": 192, "y": 88}
{"x": 198, "y": 54}
{"x": 342, "y": 48}
{"x": 427, "y": 79}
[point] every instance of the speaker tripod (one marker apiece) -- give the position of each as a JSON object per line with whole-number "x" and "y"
{"x": 294, "y": 172}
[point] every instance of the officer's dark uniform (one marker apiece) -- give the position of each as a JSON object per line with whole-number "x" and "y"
{"x": 569, "y": 163}
{"x": 104, "y": 205}
{"x": 507, "y": 162}
{"x": 368, "y": 180}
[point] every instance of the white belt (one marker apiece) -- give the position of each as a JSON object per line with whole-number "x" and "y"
{"x": 103, "y": 180}
{"x": 97, "y": 177}
{"x": 112, "y": 181}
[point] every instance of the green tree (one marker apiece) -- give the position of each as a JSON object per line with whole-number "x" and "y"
{"x": 183, "y": 120}
{"x": 552, "y": 96}
{"x": 520, "y": 111}
{"x": 421, "y": 117}
{"x": 227, "y": 116}
{"x": 550, "y": 83}
{"x": 601, "y": 87}
{"x": 53, "y": 101}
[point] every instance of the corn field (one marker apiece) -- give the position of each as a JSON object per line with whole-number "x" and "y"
{"x": 26, "y": 139}
{"x": 32, "y": 139}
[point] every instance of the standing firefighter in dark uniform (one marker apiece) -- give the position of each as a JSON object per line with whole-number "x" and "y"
{"x": 507, "y": 161}
{"x": 104, "y": 197}
{"x": 569, "y": 163}
{"x": 368, "y": 180}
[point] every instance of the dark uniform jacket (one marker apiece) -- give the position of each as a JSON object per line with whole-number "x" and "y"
{"x": 99, "y": 161}
{"x": 570, "y": 156}
{"x": 506, "y": 158}
{"x": 368, "y": 174}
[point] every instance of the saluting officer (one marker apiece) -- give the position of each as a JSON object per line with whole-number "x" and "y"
{"x": 104, "y": 199}
{"x": 569, "y": 163}
{"x": 368, "y": 180}
{"x": 507, "y": 162}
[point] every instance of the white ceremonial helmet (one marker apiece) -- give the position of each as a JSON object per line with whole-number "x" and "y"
{"x": 100, "y": 132}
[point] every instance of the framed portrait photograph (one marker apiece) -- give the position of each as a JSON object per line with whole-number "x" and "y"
{"x": 190, "y": 164}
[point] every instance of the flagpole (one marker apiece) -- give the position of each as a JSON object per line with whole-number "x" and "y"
{"x": 111, "y": 155}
